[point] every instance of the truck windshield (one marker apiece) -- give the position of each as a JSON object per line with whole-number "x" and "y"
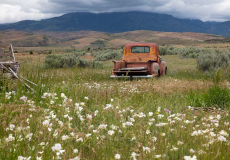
{"x": 140, "y": 49}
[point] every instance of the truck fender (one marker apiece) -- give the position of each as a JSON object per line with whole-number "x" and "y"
{"x": 155, "y": 68}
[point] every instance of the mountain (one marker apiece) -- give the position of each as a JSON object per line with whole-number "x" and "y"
{"x": 117, "y": 22}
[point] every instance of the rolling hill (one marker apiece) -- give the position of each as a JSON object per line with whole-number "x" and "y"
{"x": 94, "y": 39}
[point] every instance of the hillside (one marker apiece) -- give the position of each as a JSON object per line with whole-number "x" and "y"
{"x": 25, "y": 39}
{"x": 93, "y": 39}
{"x": 118, "y": 22}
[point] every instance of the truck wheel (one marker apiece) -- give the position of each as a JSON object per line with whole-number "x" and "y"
{"x": 159, "y": 73}
{"x": 165, "y": 70}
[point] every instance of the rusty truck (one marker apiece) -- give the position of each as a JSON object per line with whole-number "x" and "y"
{"x": 140, "y": 60}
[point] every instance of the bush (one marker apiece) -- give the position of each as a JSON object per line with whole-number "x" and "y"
{"x": 70, "y": 61}
{"x": 168, "y": 50}
{"x": 60, "y": 61}
{"x": 89, "y": 63}
{"x": 108, "y": 55}
{"x": 31, "y": 52}
{"x": 189, "y": 52}
{"x": 212, "y": 61}
{"x": 97, "y": 64}
{"x": 79, "y": 54}
{"x": 83, "y": 63}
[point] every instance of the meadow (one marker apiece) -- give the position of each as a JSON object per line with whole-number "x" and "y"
{"x": 80, "y": 113}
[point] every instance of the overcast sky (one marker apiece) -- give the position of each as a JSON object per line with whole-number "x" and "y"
{"x": 205, "y": 10}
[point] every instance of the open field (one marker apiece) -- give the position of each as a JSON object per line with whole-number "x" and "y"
{"x": 81, "y": 113}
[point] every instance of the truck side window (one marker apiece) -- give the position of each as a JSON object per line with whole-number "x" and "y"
{"x": 140, "y": 49}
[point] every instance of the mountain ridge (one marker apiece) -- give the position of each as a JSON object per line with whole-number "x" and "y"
{"x": 117, "y": 22}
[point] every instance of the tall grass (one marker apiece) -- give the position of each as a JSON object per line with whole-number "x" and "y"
{"x": 90, "y": 116}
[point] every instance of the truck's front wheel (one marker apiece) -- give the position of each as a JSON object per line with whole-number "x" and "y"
{"x": 159, "y": 73}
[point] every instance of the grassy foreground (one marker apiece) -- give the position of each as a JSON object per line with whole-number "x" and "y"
{"x": 82, "y": 114}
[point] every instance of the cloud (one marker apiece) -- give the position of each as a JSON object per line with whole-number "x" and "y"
{"x": 14, "y": 11}
{"x": 206, "y": 10}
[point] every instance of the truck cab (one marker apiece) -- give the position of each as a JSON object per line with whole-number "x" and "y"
{"x": 140, "y": 60}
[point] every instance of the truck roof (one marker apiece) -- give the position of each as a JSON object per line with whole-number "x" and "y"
{"x": 129, "y": 45}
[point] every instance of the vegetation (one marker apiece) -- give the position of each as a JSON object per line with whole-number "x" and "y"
{"x": 60, "y": 61}
{"x": 80, "y": 113}
{"x": 70, "y": 61}
{"x": 207, "y": 59}
{"x": 108, "y": 55}
{"x": 212, "y": 61}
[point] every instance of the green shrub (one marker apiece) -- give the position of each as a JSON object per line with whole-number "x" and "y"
{"x": 31, "y": 52}
{"x": 50, "y": 52}
{"x": 89, "y": 63}
{"x": 83, "y": 62}
{"x": 60, "y": 61}
{"x": 108, "y": 55}
{"x": 168, "y": 50}
{"x": 79, "y": 54}
{"x": 189, "y": 52}
{"x": 97, "y": 64}
{"x": 212, "y": 61}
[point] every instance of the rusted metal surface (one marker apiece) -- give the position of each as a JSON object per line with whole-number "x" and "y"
{"x": 140, "y": 59}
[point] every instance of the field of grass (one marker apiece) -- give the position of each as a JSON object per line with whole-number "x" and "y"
{"x": 80, "y": 113}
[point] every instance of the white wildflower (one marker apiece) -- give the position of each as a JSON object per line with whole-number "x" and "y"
{"x": 10, "y": 138}
{"x": 75, "y": 151}
{"x": 150, "y": 114}
{"x": 57, "y": 147}
{"x": 117, "y": 156}
{"x": 159, "y": 109}
{"x": 134, "y": 155}
{"x": 192, "y": 151}
{"x": 190, "y": 158}
{"x": 111, "y": 132}
{"x": 157, "y": 156}
{"x": 102, "y": 126}
{"x": 221, "y": 138}
{"x": 65, "y": 137}
{"x": 160, "y": 116}
{"x": 146, "y": 149}
{"x": 147, "y": 131}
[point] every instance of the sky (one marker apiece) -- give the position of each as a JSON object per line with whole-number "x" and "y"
{"x": 205, "y": 10}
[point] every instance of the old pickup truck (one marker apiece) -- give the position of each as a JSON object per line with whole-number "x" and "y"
{"x": 140, "y": 60}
